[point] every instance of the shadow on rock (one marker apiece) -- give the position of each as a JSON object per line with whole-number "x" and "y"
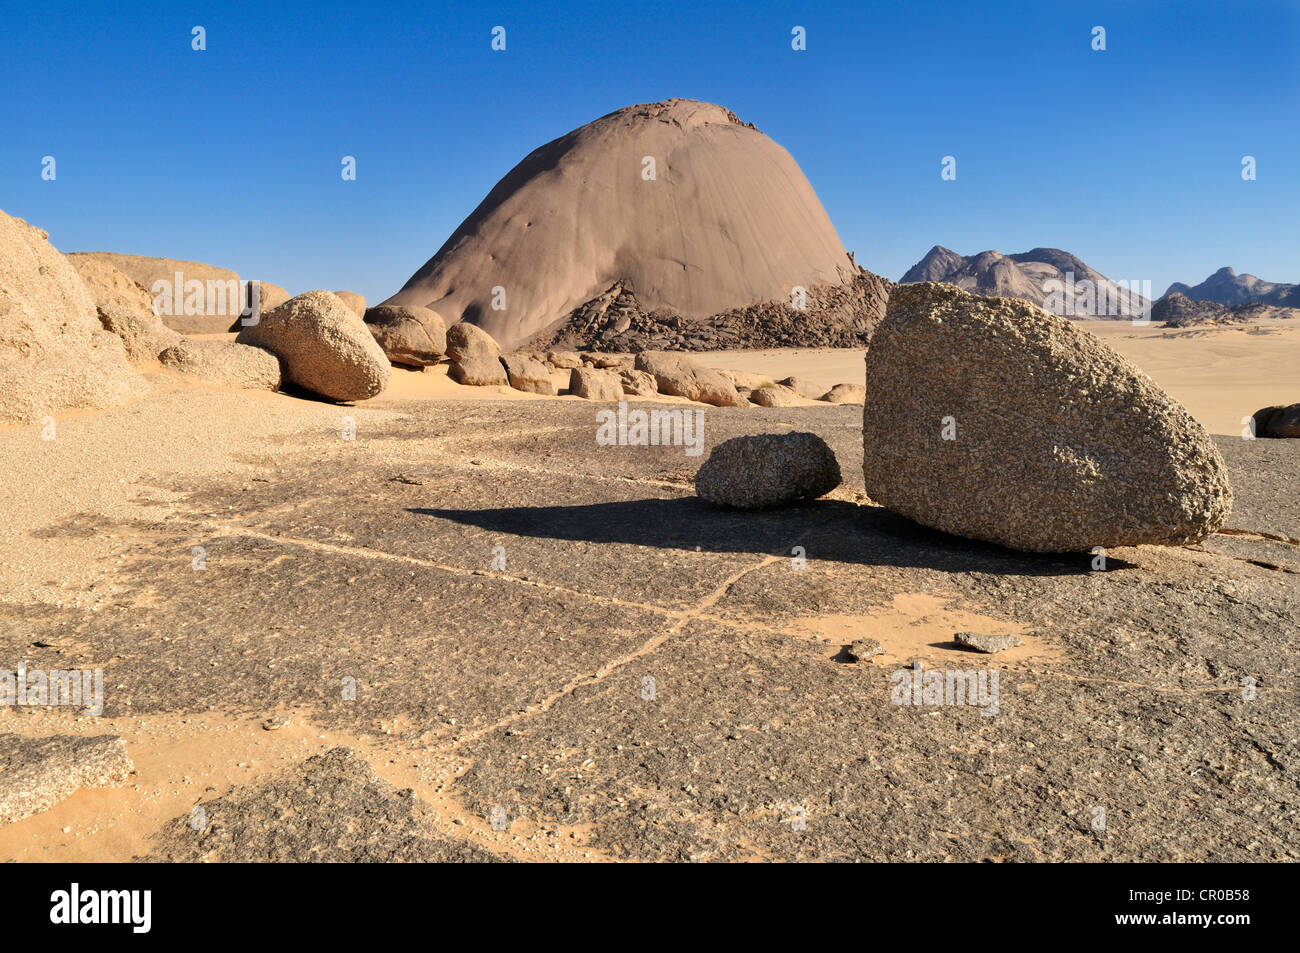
{"x": 831, "y": 530}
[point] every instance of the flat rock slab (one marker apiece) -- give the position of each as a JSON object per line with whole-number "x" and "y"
{"x": 37, "y": 773}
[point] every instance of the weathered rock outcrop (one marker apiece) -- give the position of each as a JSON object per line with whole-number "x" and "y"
{"x": 526, "y": 373}
{"x": 595, "y": 384}
{"x": 207, "y": 299}
{"x": 125, "y": 309}
{"x": 37, "y": 773}
{"x": 54, "y": 353}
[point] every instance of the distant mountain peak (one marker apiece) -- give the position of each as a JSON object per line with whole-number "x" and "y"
{"x": 1049, "y": 277}
{"x": 1226, "y": 287}
{"x": 938, "y": 263}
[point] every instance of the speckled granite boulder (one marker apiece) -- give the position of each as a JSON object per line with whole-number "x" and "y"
{"x": 991, "y": 419}
{"x": 769, "y": 469}
{"x": 322, "y": 346}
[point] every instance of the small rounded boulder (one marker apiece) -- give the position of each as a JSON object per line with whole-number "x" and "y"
{"x": 768, "y": 470}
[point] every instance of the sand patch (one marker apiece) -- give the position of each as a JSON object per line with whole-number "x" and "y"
{"x": 184, "y": 760}
{"x": 921, "y": 625}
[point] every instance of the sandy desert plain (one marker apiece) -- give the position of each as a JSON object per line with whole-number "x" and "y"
{"x": 648, "y": 677}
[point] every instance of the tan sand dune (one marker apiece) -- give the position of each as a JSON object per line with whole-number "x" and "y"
{"x": 728, "y": 220}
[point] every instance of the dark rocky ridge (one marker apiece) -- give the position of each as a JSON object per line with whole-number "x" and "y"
{"x": 836, "y": 316}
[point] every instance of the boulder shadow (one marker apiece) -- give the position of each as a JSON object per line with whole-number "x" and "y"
{"x": 832, "y": 530}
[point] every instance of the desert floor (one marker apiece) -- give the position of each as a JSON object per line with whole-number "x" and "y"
{"x": 647, "y": 677}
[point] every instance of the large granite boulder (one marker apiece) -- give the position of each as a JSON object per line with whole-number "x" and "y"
{"x": 478, "y": 371}
{"x": 322, "y": 346}
{"x": 475, "y": 356}
{"x": 775, "y": 395}
{"x": 771, "y": 469}
{"x": 679, "y": 376}
{"x": 409, "y": 335}
{"x": 270, "y": 296}
{"x": 469, "y": 340}
{"x": 638, "y": 383}
{"x": 990, "y": 418}
{"x": 527, "y": 373}
{"x": 845, "y": 394}
{"x": 595, "y": 384}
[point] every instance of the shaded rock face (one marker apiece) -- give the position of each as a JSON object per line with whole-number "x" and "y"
{"x": 37, "y": 773}
{"x": 527, "y": 373}
{"x": 595, "y": 384}
{"x": 54, "y": 353}
{"x": 227, "y": 363}
{"x": 217, "y": 308}
{"x": 413, "y": 336}
{"x": 562, "y": 242}
{"x": 322, "y": 346}
{"x": 1278, "y": 421}
{"x": 989, "y": 418}
{"x": 125, "y": 309}
{"x": 355, "y": 303}
{"x": 679, "y": 376}
{"x": 768, "y": 470}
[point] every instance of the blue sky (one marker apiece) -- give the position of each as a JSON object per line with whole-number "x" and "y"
{"x": 1130, "y": 158}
